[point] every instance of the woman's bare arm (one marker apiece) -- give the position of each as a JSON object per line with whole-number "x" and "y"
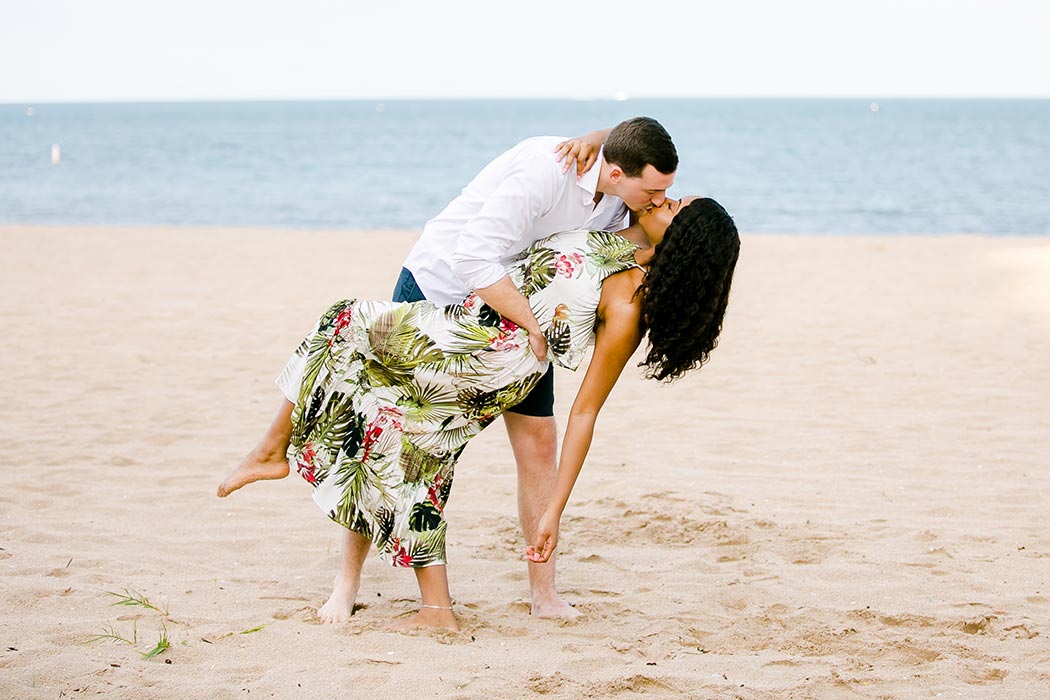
{"x": 618, "y": 336}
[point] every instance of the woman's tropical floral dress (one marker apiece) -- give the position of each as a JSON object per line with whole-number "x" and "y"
{"x": 387, "y": 394}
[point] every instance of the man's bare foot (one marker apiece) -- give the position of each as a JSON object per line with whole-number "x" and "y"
{"x": 340, "y": 605}
{"x": 427, "y": 618}
{"x": 551, "y": 606}
{"x": 255, "y": 467}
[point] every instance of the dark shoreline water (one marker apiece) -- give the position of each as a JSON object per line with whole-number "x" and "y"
{"x": 779, "y": 165}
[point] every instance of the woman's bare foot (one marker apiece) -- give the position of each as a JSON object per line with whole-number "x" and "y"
{"x": 258, "y": 465}
{"x": 427, "y": 618}
{"x": 552, "y": 606}
{"x": 340, "y": 605}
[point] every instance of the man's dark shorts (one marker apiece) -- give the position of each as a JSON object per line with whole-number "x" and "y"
{"x": 539, "y": 402}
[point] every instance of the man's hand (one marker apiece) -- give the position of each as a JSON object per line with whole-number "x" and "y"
{"x": 508, "y": 302}
{"x": 583, "y": 150}
{"x": 545, "y": 541}
{"x": 538, "y": 344}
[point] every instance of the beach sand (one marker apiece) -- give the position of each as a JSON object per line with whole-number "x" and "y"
{"x": 850, "y": 501}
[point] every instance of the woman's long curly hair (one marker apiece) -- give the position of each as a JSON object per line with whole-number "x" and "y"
{"x": 685, "y": 293}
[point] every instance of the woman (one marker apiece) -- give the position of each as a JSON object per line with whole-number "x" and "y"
{"x": 382, "y": 397}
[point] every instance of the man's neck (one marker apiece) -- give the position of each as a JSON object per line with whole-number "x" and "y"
{"x": 605, "y": 185}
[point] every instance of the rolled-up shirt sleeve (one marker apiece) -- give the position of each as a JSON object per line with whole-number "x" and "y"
{"x": 525, "y": 194}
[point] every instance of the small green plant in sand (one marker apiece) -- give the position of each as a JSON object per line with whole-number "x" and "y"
{"x": 162, "y": 644}
{"x": 110, "y": 634}
{"x": 129, "y": 596}
{"x": 257, "y": 628}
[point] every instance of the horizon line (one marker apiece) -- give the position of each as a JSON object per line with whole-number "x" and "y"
{"x": 468, "y": 98}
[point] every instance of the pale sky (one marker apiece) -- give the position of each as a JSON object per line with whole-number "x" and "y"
{"x": 77, "y": 50}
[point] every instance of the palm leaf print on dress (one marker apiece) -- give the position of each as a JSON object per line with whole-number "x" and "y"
{"x": 609, "y": 252}
{"x": 399, "y": 347}
{"x": 538, "y": 272}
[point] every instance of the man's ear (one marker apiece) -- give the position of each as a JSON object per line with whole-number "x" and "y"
{"x": 615, "y": 173}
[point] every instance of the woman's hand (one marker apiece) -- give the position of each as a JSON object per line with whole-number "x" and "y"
{"x": 582, "y": 150}
{"x": 545, "y": 540}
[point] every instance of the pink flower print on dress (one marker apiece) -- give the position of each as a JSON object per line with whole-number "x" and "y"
{"x": 434, "y": 490}
{"x": 341, "y": 322}
{"x": 304, "y": 464}
{"x": 399, "y": 556}
{"x": 506, "y": 339}
{"x": 565, "y": 265}
{"x": 386, "y": 417}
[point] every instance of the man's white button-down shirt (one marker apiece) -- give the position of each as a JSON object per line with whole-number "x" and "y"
{"x": 517, "y": 199}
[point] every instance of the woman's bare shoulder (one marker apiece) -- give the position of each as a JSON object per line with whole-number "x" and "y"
{"x": 619, "y": 293}
{"x": 623, "y": 284}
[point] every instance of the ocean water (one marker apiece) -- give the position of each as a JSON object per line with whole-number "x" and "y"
{"x": 782, "y": 166}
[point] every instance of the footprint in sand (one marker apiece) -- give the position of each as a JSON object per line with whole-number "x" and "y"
{"x": 307, "y": 613}
{"x": 630, "y": 686}
{"x": 603, "y": 594}
{"x": 984, "y": 675}
{"x": 545, "y": 685}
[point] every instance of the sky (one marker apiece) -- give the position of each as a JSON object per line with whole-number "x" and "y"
{"x": 103, "y": 50}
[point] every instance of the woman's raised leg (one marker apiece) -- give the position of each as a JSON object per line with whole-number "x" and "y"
{"x": 268, "y": 459}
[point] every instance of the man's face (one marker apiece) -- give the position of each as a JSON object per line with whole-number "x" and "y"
{"x": 647, "y": 190}
{"x": 655, "y": 220}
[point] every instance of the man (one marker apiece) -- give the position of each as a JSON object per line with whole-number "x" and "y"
{"x": 520, "y": 197}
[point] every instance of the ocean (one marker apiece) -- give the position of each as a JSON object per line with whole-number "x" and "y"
{"x": 779, "y": 165}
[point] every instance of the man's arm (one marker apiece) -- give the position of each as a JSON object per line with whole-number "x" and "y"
{"x": 505, "y": 298}
{"x": 526, "y": 193}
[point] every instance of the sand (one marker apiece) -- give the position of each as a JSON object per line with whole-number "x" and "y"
{"x": 850, "y": 501}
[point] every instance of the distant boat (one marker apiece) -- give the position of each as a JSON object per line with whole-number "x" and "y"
{"x": 30, "y": 111}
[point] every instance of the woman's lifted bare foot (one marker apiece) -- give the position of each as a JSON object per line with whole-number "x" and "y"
{"x": 268, "y": 460}
{"x": 258, "y": 465}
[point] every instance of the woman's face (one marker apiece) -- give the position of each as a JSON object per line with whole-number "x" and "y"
{"x": 655, "y": 220}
